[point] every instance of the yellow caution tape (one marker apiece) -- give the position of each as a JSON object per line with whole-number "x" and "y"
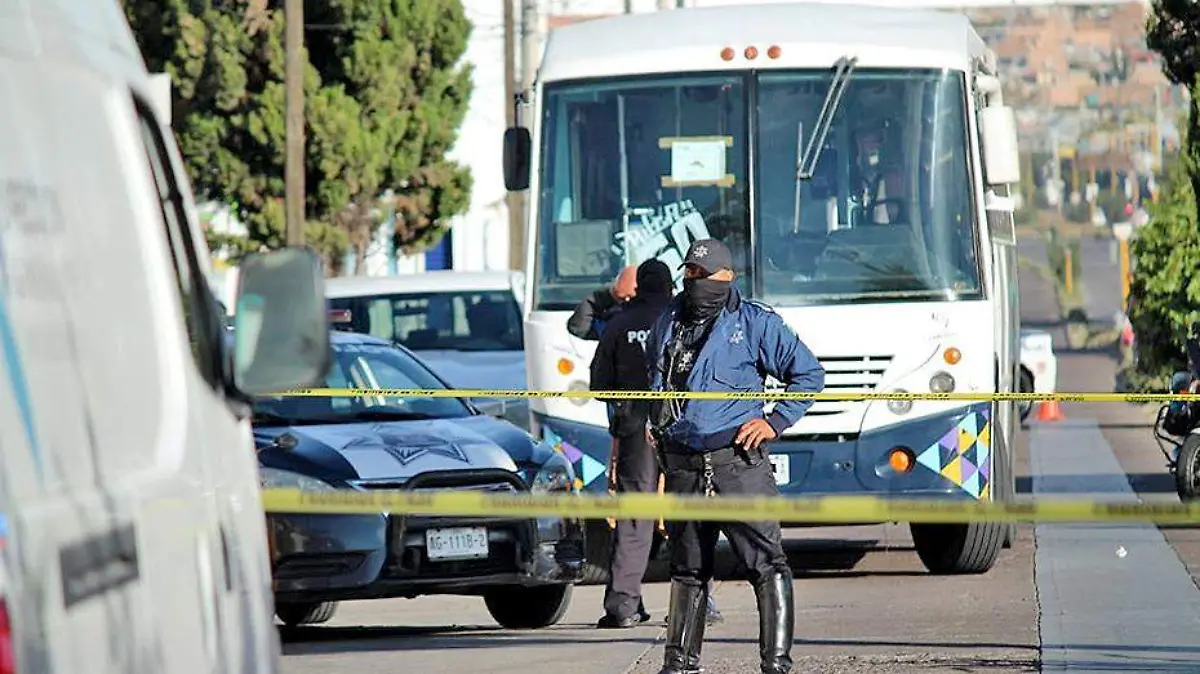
{"x": 982, "y": 396}
{"x": 822, "y": 510}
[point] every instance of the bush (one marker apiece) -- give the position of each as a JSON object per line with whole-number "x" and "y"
{"x": 1165, "y": 291}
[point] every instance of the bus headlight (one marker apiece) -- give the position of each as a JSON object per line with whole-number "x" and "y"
{"x": 578, "y": 385}
{"x": 556, "y": 475}
{"x": 275, "y": 478}
{"x": 899, "y": 406}
{"x": 941, "y": 382}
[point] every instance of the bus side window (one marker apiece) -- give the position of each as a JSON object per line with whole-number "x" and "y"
{"x": 195, "y": 299}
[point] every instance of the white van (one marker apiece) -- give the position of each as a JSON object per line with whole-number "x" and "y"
{"x": 466, "y": 326}
{"x": 132, "y": 535}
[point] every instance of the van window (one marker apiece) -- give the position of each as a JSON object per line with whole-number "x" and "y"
{"x": 197, "y": 311}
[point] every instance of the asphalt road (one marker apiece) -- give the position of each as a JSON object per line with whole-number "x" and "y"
{"x": 1101, "y": 278}
{"x": 1089, "y": 598}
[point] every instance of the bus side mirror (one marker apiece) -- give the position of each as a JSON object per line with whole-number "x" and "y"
{"x": 1001, "y": 156}
{"x": 517, "y": 150}
{"x": 281, "y": 332}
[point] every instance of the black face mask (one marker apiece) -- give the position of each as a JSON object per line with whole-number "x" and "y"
{"x": 703, "y": 298}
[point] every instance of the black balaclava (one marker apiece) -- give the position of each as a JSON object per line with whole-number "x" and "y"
{"x": 703, "y": 298}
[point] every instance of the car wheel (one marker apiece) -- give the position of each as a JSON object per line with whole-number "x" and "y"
{"x": 528, "y": 607}
{"x": 306, "y": 613}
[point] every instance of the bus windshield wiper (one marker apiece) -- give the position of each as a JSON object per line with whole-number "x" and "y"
{"x": 807, "y": 163}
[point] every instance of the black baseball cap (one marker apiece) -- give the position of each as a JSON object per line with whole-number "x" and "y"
{"x": 710, "y": 255}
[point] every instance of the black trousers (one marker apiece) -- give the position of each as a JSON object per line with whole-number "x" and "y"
{"x": 637, "y": 471}
{"x": 758, "y": 545}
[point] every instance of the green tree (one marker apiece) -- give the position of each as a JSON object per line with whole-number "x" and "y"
{"x": 1173, "y": 30}
{"x": 385, "y": 94}
{"x": 1165, "y": 289}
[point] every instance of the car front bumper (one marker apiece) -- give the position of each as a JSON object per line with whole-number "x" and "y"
{"x": 345, "y": 557}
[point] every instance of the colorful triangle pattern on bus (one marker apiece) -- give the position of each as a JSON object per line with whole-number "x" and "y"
{"x": 587, "y": 469}
{"x": 963, "y": 454}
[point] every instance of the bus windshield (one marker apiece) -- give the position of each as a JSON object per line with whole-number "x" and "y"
{"x": 634, "y": 168}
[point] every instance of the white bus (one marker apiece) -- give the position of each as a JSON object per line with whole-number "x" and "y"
{"x": 857, "y": 161}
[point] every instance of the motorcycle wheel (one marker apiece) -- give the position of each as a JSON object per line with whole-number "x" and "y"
{"x": 1187, "y": 469}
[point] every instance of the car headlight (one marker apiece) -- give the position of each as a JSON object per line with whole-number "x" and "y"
{"x": 275, "y": 478}
{"x": 554, "y": 475}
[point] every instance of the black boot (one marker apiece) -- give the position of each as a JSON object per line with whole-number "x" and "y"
{"x": 776, "y": 621}
{"x": 685, "y": 629}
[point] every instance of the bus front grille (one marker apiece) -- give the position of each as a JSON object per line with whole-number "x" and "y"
{"x": 845, "y": 374}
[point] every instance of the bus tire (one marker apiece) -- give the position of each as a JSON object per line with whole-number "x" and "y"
{"x": 528, "y": 608}
{"x": 599, "y": 540}
{"x": 971, "y": 548}
{"x": 957, "y": 549}
{"x": 1008, "y": 494}
{"x": 600, "y": 547}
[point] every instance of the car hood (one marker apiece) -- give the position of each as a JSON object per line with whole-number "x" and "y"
{"x": 478, "y": 369}
{"x": 395, "y": 450}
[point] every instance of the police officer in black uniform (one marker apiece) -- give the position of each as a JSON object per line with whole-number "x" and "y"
{"x": 620, "y": 365}
{"x": 711, "y": 339}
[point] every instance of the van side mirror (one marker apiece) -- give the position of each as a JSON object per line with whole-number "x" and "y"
{"x": 517, "y": 154}
{"x": 281, "y": 334}
{"x": 1001, "y": 156}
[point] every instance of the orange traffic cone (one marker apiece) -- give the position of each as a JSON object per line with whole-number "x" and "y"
{"x": 1049, "y": 410}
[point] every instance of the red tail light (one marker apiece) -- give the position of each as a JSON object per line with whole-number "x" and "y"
{"x": 8, "y": 663}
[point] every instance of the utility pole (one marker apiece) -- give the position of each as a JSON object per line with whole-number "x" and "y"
{"x": 530, "y": 58}
{"x": 294, "y": 139}
{"x": 516, "y": 236}
{"x": 629, "y": 6}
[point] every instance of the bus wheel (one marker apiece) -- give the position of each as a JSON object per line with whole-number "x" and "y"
{"x": 599, "y": 551}
{"x": 970, "y": 548}
{"x": 1006, "y": 487}
{"x": 947, "y": 549}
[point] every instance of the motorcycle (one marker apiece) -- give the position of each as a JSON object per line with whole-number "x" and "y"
{"x": 1178, "y": 425}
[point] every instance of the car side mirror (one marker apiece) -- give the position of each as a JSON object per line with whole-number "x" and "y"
{"x": 1001, "y": 156}
{"x": 281, "y": 334}
{"x": 518, "y": 152}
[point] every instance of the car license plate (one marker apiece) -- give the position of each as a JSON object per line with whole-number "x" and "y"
{"x": 782, "y": 468}
{"x": 459, "y": 543}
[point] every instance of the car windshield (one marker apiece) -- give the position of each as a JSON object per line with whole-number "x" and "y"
{"x": 485, "y": 320}
{"x": 634, "y": 168}
{"x": 371, "y": 366}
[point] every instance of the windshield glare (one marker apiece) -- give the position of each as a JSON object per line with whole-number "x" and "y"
{"x": 640, "y": 168}
{"x": 364, "y": 366}
{"x": 456, "y": 321}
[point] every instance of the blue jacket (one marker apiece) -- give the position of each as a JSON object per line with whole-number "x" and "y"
{"x": 747, "y": 342}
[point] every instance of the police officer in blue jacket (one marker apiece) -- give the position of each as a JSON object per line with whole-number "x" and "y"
{"x": 711, "y": 339}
